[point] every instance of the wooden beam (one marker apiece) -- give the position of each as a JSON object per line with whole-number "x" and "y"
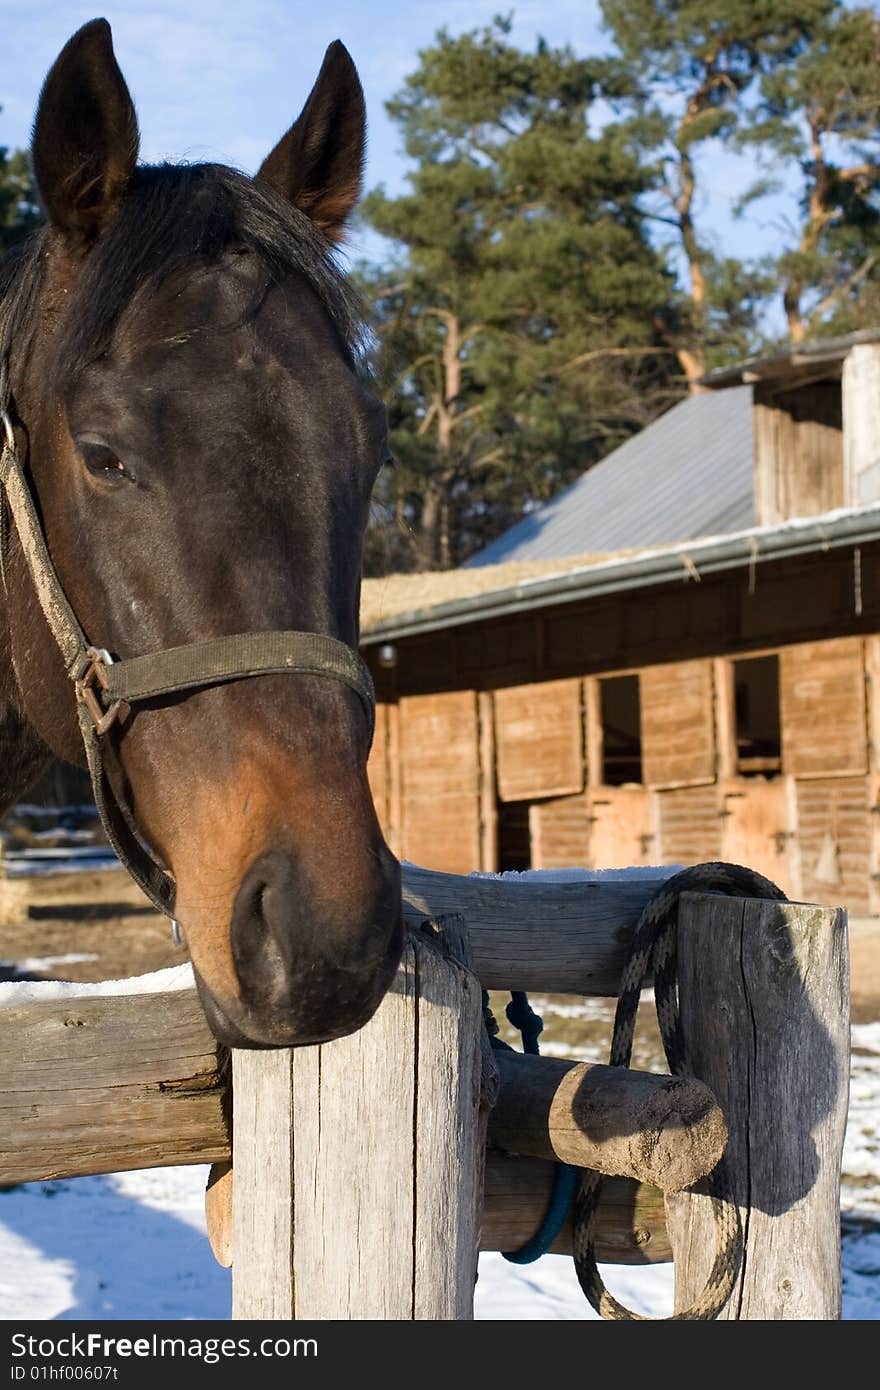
{"x": 594, "y": 740}
{"x": 725, "y": 719}
{"x": 488, "y": 790}
{"x": 101, "y": 1083}
{"x": 630, "y": 1222}
{"x": 765, "y": 1018}
{"x": 562, "y": 938}
{"x": 664, "y": 1130}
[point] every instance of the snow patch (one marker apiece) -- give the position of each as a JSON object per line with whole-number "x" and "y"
{"x": 175, "y": 977}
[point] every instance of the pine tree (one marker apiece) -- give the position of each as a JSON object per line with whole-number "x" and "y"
{"x": 692, "y": 65}
{"x": 517, "y": 324}
{"x": 822, "y": 112}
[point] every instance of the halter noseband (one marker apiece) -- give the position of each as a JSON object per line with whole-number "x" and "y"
{"x": 105, "y": 687}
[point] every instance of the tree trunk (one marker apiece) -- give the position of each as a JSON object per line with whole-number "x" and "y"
{"x": 692, "y": 359}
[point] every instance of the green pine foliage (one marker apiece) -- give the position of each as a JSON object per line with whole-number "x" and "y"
{"x": 820, "y": 115}
{"x": 518, "y": 335}
{"x": 694, "y": 70}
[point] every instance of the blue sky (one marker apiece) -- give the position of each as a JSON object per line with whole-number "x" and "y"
{"x": 222, "y": 82}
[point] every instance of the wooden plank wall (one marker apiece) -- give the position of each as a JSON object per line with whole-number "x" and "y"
{"x": 689, "y": 825}
{"x": 798, "y": 451}
{"x": 678, "y": 725}
{"x": 539, "y": 740}
{"x": 560, "y": 832}
{"x": 440, "y": 780}
{"x": 822, "y": 695}
{"x": 834, "y": 833}
{"x": 444, "y": 764}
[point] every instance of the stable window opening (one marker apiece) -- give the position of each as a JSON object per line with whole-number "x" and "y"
{"x": 621, "y": 714}
{"x": 514, "y": 837}
{"x": 758, "y": 723}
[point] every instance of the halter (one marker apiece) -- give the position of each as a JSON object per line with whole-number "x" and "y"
{"x": 105, "y": 688}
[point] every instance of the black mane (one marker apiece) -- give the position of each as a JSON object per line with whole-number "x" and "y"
{"x": 174, "y": 216}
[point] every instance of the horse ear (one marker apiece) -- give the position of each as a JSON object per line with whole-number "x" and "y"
{"x": 318, "y": 165}
{"x": 85, "y": 141}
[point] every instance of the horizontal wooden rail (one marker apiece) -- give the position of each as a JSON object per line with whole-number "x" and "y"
{"x": 559, "y": 938}
{"x": 101, "y": 1083}
{"x": 665, "y": 1130}
{"x": 630, "y": 1221}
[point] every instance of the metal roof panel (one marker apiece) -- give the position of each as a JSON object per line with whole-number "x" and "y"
{"x": 688, "y": 474}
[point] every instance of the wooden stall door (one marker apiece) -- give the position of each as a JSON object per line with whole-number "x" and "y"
{"x": 621, "y": 830}
{"x": 834, "y": 834}
{"x": 689, "y": 825}
{"x": 678, "y": 726}
{"x": 440, "y": 773}
{"x": 757, "y": 829}
{"x": 823, "y": 702}
{"x": 559, "y": 832}
{"x": 539, "y": 740}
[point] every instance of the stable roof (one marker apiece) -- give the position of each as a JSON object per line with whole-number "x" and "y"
{"x": 689, "y": 474}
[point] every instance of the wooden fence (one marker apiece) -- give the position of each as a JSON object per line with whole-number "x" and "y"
{"x": 367, "y": 1173}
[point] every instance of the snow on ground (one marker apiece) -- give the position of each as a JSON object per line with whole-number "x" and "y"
{"x": 133, "y": 1245}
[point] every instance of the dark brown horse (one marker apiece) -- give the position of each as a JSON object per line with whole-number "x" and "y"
{"x": 201, "y": 447}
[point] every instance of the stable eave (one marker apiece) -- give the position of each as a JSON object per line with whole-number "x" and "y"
{"x": 684, "y": 563}
{"x": 793, "y": 363}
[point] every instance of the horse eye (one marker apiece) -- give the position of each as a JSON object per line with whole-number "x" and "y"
{"x": 102, "y": 462}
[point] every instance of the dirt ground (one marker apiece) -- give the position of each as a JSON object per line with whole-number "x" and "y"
{"x": 110, "y": 948}
{"x": 114, "y": 947}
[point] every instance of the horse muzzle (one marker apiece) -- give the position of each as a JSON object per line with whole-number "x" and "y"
{"x": 310, "y": 965}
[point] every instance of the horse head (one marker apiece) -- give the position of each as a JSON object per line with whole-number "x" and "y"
{"x": 201, "y": 447}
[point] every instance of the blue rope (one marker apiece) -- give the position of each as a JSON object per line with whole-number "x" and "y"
{"x": 522, "y": 1016}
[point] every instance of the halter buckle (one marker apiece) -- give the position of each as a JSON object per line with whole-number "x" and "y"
{"x": 91, "y": 683}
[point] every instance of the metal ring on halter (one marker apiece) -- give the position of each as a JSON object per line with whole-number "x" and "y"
{"x": 90, "y": 683}
{"x": 8, "y": 431}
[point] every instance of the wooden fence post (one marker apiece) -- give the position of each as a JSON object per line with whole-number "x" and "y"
{"x": 358, "y": 1164}
{"x": 764, "y": 990}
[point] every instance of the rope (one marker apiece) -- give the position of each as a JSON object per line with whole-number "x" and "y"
{"x": 655, "y": 946}
{"x": 522, "y": 1016}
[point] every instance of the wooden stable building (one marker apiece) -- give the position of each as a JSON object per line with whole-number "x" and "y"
{"x": 716, "y": 697}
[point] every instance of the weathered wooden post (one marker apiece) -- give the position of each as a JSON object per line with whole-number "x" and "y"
{"x": 358, "y": 1164}
{"x": 764, "y": 992}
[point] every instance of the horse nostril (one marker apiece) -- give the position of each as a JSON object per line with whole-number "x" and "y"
{"x": 313, "y": 951}
{"x": 260, "y": 927}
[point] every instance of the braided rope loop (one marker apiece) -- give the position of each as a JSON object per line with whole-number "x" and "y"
{"x": 654, "y": 948}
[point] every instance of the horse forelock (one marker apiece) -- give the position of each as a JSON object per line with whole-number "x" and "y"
{"x": 174, "y": 217}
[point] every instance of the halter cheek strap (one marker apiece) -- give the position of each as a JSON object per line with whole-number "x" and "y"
{"x": 105, "y": 688}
